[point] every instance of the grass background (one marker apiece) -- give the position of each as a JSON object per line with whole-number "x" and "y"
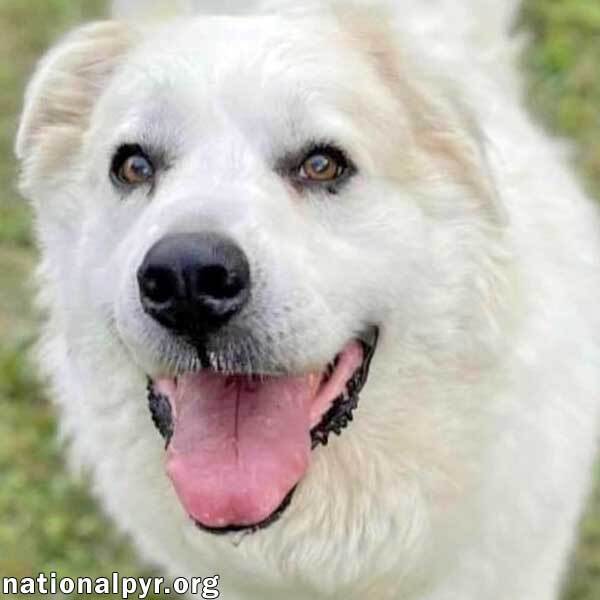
{"x": 47, "y": 521}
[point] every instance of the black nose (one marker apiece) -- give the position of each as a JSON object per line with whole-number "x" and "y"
{"x": 193, "y": 283}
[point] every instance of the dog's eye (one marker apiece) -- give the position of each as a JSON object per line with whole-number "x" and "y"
{"x": 132, "y": 167}
{"x": 324, "y": 165}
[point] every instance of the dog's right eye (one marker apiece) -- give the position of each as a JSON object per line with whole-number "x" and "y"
{"x": 131, "y": 166}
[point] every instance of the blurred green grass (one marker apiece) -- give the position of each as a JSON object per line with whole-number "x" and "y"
{"x": 564, "y": 65}
{"x": 48, "y": 522}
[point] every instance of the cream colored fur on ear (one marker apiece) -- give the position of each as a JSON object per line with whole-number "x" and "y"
{"x": 62, "y": 94}
{"x": 443, "y": 129}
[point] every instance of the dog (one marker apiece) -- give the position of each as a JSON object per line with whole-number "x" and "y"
{"x": 320, "y": 296}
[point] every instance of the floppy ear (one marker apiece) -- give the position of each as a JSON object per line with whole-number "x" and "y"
{"x": 444, "y": 129}
{"x": 63, "y": 91}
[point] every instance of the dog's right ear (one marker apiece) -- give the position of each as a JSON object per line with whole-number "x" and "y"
{"x": 63, "y": 92}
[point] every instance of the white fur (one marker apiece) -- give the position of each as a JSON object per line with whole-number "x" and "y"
{"x": 464, "y": 235}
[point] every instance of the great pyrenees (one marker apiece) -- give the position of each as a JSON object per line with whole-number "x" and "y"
{"x": 322, "y": 300}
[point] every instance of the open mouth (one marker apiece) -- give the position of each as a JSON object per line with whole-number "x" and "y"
{"x": 238, "y": 445}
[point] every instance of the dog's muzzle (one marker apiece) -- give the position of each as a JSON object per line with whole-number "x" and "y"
{"x": 238, "y": 445}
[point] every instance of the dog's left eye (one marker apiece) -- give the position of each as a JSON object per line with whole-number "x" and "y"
{"x": 131, "y": 166}
{"x": 323, "y": 165}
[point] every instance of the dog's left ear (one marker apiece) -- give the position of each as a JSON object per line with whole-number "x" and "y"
{"x": 444, "y": 129}
{"x": 64, "y": 90}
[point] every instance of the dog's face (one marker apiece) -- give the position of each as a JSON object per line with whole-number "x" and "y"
{"x": 239, "y": 214}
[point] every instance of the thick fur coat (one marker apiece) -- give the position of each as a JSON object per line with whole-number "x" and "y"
{"x": 462, "y": 235}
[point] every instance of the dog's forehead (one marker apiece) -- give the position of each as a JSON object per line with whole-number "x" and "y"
{"x": 250, "y": 51}
{"x": 269, "y": 74}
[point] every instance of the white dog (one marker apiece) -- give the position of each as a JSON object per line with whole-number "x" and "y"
{"x": 236, "y": 214}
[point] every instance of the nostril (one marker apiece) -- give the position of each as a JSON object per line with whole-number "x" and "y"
{"x": 217, "y": 282}
{"x": 158, "y": 285}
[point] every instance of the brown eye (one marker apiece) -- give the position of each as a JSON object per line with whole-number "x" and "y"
{"x": 136, "y": 170}
{"x": 132, "y": 167}
{"x": 323, "y": 166}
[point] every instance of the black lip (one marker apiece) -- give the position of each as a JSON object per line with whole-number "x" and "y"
{"x": 341, "y": 412}
{"x": 275, "y": 516}
{"x": 162, "y": 414}
{"x": 335, "y": 420}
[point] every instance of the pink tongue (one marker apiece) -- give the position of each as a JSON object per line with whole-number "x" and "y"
{"x": 240, "y": 447}
{"x": 238, "y": 450}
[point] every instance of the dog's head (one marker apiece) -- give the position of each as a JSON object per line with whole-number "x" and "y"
{"x": 241, "y": 213}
